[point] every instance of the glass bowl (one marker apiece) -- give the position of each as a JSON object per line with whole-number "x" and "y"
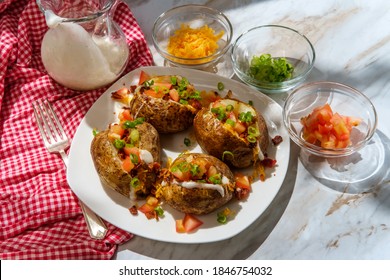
{"x": 279, "y": 42}
{"x": 195, "y": 16}
{"x": 344, "y": 100}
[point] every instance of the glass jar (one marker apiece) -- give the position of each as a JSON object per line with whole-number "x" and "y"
{"x": 84, "y": 48}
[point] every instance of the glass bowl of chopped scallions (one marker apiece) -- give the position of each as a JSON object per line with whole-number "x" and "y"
{"x": 272, "y": 58}
{"x": 192, "y": 36}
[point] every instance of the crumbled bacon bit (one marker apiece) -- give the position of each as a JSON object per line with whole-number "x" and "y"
{"x": 268, "y": 162}
{"x": 241, "y": 194}
{"x": 133, "y": 210}
{"x": 277, "y": 140}
{"x": 132, "y": 89}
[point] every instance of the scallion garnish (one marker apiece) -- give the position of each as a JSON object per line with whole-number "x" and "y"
{"x": 227, "y": 153}
{"x": 119, "y": 144}
{"x": 135, "y": 182}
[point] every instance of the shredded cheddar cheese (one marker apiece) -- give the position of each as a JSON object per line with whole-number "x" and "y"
{"x": 188, "y": 42}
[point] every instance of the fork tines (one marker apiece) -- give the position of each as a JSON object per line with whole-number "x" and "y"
{"x": 48, "y": 123}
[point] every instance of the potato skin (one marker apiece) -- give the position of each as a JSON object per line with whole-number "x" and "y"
{"x": 166, "y": 116}
{"x": 198, "y": 201}
{"x": 215, "y": 139}
{"x": 109, "y": 166}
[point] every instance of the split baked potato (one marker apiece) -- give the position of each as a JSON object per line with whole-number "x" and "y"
{"x": 232, "y": 131}
{"x": 169, "y": 103}
{"x": 127, "y": 157}
{"x": 197, "y": 184}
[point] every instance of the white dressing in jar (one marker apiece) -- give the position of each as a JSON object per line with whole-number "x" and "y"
{"x": 78, "y": 59}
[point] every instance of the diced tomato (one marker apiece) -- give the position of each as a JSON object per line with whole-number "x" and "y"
{"x": 173, "y": 93}
{"x": 153, "y": 93}
{"x": 232, "y": 116}
{"x": 180, "y": 226}
{"x": 182, "y": 175}
{"x": 125, "y": 115}
{"x": 131, "y": 150}
{"x": 145, "y": 208}
{"x": 127, "y": 164}
{"x": 243, "y": 186}
{"x": 239, "y": 127}
{"x": 117, "y": 129}
{"x": 122, "y": 92}
{"x": 143, "y": 77}
{"x": 330, "y": 130}
{"x": 242, "y": 181}
{"x": 191, "y": 223}
{"x": 133, "y": 153}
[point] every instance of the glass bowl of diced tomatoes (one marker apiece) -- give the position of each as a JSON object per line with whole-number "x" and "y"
{"x": 329, "y": 119}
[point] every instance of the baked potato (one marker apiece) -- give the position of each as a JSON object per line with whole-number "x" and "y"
{"x": 127, "y": 157}
{"x": 232, "y": 131}
{"x": 197, "y": 184}
{"x": 169, "y": 103}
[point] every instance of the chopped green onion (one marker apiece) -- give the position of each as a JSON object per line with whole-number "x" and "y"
{"x": 195, "y": 95}
{"x": 159, "y": 211}
{"x": 268, "y": 69}
{"x": 187, "y": 142}
{"x": 95, "y": 132}
{"x": 245, "y": 117}
{"x": 220, "y": 86}
{"x": 134, "y": 158}
{"x": 227, "y": 153}
{"x": 135, "y": 182}
{"x": 229, "y": 108}
{"x": 253, "y": 130}
{"x": 149, "y": 83}
{"x": 184, "y": 102}
{"x": 132, "y": 124}
{"x": 219, "y": 112}
{"x": 119, "y": 144}
{"x": 134, "y": 136}
{"x": 194, "y": 169}
{"x": 230, "y": 122}
{"x": 173, "y": 80}
{"x": 221, "y": 218}
{"x": 216, "y": 179}
{"x": 251, "y": 138}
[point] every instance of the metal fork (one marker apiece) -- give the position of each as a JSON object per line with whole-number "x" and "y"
{"x": 56, "y": 141}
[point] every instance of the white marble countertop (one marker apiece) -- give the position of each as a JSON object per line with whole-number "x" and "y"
{"x": 311, "y": 217}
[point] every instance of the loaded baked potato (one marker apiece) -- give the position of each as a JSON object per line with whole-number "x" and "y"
{"x": 232, "y": 131}
{"x": 169, "y": 103}
{"x": 127, "y": 157}
{"x": 197, "y": 184}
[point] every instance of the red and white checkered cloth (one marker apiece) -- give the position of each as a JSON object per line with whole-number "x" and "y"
{"x": 39, "y": 215}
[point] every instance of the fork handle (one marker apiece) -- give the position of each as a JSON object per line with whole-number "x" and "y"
{"x": 96, "y": 227}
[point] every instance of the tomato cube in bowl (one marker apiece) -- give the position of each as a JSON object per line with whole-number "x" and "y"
{"x": 329, "y": 119}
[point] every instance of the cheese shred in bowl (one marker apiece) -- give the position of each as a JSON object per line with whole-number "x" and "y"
{"x": 193, "y": 43}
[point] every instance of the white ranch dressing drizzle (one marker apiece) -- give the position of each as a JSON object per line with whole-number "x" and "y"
{"x": 261, "y": 155}
{"x": 146, "y": 156}
{"x": 193, "y": 185}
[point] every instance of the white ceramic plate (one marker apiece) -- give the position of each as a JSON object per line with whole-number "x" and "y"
{"x": 113, "y": 207}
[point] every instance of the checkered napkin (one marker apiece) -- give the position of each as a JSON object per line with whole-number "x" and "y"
{"x": 39, "y": 215}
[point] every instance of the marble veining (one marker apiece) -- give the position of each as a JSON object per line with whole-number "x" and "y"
{"x": 312, "y": 216}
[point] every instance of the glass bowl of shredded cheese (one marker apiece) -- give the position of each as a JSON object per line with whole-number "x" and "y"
{"x": 272, "y": 58}
{"x": 192, "y": 36}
